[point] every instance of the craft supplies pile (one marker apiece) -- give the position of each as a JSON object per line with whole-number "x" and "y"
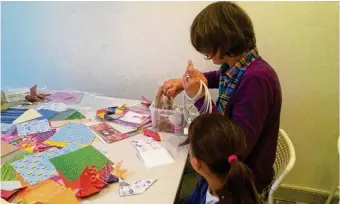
{"x": 47, "y": 151}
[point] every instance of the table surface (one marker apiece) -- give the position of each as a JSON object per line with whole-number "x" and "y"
{"x": 168, "y": 177}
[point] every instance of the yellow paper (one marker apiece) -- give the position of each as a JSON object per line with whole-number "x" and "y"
{"x": 60, "y": 144}
{"x": 30, "y": 114}
{"x": 57, "y": 124}
{"x": 42, "y": 192}
{"x": 67, "y": 196}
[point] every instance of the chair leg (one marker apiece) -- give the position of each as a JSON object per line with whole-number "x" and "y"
{"x": 331, "y": 195}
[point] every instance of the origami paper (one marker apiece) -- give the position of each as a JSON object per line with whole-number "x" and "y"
{"x": 72, "y": 164}
{"x": 42, "y": 136}
{"x": 139, "y": 187}
{"x": 37, "y": 167}
{"x": 75, "y": 116}
{"x": 10, "y": 185}
{"x": 26, "y": 143}
{"x": 11, "y": 114}
{"x": 8, "y": 195}
{"x": 10, "y": 136}
{"x": 63, "y": 115}
{"x": 90, "y": 182}
{"x": 108, "y": 133}
{"x": 7, "y": 171}
{"x": 57, "y": 106}
{"x": 67, "y": 196}
{"x": 57, "y": 124}
{"x": 47, "y": 114}
{"x": 43, "y": 191}
{"x": 59, "y": 96}
{"x": 34, "y": 126}
{"x": 28, "y": 115}
{"x": 153, "y": 134}
{"x": 74, "y": 133}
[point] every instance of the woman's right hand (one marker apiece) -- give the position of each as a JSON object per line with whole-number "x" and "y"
{"x": 172, "y": 87}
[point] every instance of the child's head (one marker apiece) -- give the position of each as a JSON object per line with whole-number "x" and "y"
{"x": 222, "y": 29}
{"x": 217, "y": 148}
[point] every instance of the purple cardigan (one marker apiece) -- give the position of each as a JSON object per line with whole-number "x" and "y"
{"x": 255, "y": 105}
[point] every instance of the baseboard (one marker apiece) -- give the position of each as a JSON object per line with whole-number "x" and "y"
{"x": 303, "y": 195}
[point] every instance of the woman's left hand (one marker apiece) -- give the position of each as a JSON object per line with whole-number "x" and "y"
{"x": 191, "y": 81}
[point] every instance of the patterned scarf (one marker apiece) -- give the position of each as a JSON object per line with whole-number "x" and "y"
{"x": 230, "y": 77}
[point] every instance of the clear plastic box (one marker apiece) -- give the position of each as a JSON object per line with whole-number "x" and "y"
{"x": 167, "y": 120}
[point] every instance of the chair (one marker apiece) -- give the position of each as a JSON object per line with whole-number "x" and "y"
{"x": 337, "y": 186}
{"x": 284, "y": 162}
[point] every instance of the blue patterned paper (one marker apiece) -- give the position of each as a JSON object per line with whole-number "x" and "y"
{"x": 76, "y": 133}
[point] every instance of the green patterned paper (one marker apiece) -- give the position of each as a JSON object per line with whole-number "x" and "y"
{"x": 7, "y": 171}
{"x": 71, "y": 165}
{"x": 75, "y": 116}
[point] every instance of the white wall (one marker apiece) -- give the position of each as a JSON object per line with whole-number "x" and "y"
{"x": 126, "y": 49}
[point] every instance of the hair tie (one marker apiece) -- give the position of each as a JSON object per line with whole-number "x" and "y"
{"x": 231, "y": 158}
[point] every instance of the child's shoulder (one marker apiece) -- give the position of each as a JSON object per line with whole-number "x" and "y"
{"x": 198, "y": 196}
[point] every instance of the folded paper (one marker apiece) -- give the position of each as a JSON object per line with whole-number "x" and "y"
{"x": 139, "y": 187}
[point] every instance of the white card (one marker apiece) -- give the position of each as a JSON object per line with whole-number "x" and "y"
{"x": 155, "y": 157}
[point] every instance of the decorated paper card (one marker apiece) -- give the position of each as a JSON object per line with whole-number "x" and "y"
{"x": 74, "y": 133}
{"x": 137, "y": 188}
{"x": 108, "y": 133}
{"x": 60, "y": 123}
{"x": 71, "y": 165}
{"x": 28, "y": 115}
{"x": 34, "y": 126}
{"x": 57, "y": 106}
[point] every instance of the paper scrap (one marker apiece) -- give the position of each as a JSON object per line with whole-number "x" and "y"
{"x": 139, "y": 187}
{"x": 57, "y": 106}
{"x": 28, "y": 115}
{"x": 11, "y": 114}
{"x": 47, "y": 114}
{"x": 74, "y": 133}
{"x": 58, "y": 124}
{"x": 63, "y": 115}
{"x": 34, "y": 126}
{"x": 42, "y": 136}
{"x": 10, "y": 185}
{"x": 59, "y": 96}
{"x": 72, "y": 164}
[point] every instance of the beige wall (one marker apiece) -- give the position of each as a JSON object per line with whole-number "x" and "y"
{"x": 301, "y": 40}
{"x": 126, "y": 49}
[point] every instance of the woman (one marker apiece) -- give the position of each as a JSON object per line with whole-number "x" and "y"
{"x": 249, "y": 89}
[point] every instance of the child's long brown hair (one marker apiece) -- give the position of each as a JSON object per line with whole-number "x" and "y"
{"x": 213, "y": 138}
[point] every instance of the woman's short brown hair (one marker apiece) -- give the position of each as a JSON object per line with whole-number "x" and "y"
{"x": 224, "y": 27}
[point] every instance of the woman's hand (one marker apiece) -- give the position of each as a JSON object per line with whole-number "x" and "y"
{"x": 192, "y": 81}
{"x": 172, "y": 87}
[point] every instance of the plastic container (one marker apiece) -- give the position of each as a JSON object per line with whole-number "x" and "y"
{"x": 167, "y": 120}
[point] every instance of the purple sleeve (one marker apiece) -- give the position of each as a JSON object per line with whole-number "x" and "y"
{"x": 199, "y": 104}
{"x": 254, "y": 98}
{"x": 213, "y": 79}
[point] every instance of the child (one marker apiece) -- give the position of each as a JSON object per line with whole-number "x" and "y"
{"x": 249, "y": 89}
{"x": 217, "y": 148}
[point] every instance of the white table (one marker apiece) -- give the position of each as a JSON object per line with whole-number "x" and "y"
{"x": 169, "y": 176}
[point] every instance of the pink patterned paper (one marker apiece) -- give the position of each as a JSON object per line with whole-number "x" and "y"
{"x": 42, "y": 136}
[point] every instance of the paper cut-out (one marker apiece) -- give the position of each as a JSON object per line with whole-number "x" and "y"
{"x": 139, "y": 187}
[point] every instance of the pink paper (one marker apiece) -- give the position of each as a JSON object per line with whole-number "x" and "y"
{"x": 60, "y": 96}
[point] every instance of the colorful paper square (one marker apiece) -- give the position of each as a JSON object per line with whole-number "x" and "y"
{"x": 74, "y": 133}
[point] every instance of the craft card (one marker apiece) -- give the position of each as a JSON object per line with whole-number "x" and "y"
{"x": 108, "y": 133}
{"x": 63, "y": 115}
{"x": 71, "y": 165}
{"x": 37, "y": 167}
{"x": 133, "y": 117}
{"x": 34, "y": 126}
{"x": 59, "y": 96}
{"x": 74, "y": 133}
{"x": 57, "y": 106}
{"x": 11, "y": 114}
{"x": 75, "y": 116}
{"x": 42, "y": 136}
{"x": 47, "y": 114}
{"x": 139, "y": 187}
{"x": 146, "y": 145}
{"x": 151, "y": 153}
{"x": 57, "y": 124}
{"x": 28, "y": 115}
